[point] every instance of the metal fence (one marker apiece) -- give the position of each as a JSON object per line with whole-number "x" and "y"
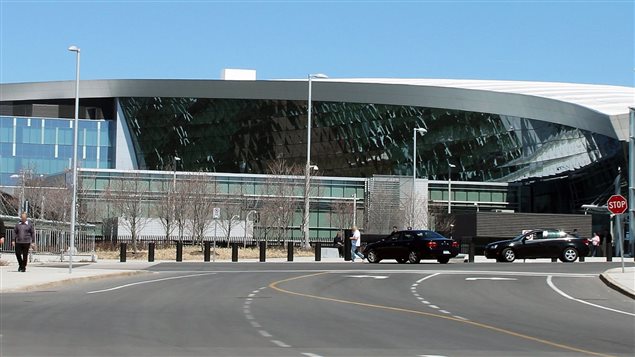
{"x": 220, "y": 241}
{"x": 55, "y": 241}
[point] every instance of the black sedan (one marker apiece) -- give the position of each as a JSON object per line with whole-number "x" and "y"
{"x": 539, "y": 243}
{"x": 412, "y": 246}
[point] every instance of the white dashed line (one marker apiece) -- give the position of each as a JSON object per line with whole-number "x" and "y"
{"x": 459, "y": 317}
{"x": 264, "y": 333}
{"x": 310, "y": 354}
{"x": 280, "y": 343}
{"x": 425, "y": 301}
{"x": 255, "y": 324}
{"x": 444, "y": 311}
{"x": 249, "y": 317}
{"x": 433, "y": 306}
{"x": 414, "y": 292}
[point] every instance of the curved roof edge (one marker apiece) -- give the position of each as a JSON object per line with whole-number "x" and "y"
{"x": 597, "y": 108}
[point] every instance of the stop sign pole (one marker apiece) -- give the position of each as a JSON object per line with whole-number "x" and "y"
{"x": 617, "y": 204}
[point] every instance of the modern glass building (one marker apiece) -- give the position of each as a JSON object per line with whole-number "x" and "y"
{"x": 556, "y": 146}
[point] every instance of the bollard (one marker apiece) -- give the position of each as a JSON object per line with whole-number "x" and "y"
{"x": 318, "y": 251}
{"x": 608, "y": 250}
{"x": 581, "y": 259}
{"x": 122, "y": 252}
{"x": 179, "y": 251}
{"x": 206, "y": 255}
{"x": 289, "y": 251}
{"x": 263, "y": 251}
{"x": 347, "y": 244}
{"x": 151, "y": 251}
{"x": 471, "y": 249}
{"x": 554, "y": 260}
{"x": 234, "y": 252}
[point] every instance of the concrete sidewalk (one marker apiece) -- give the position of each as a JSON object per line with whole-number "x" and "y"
{"x": 622, "y": 282}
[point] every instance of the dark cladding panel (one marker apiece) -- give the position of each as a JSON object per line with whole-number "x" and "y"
{"x": 509, "y": 225}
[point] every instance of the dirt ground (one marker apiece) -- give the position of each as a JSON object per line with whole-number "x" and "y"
{"x": 194, "y": 253}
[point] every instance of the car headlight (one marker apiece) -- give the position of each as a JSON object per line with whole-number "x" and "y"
{"x": 493, "y": 246}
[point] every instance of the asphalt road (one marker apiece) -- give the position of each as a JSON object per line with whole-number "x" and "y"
{"x": 302, "y": 309}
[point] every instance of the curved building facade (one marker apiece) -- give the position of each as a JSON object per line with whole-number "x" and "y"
{"x": 497, "y": 131}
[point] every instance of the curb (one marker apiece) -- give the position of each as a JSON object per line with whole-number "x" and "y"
{"x": 74, "y": 280}
{"x": 606, "y": 278}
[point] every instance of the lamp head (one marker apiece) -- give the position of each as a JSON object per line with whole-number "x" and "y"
{"x": 314, "y": 167}
{"x": 452, "y": 165}
{"x": 74, "y": 49}
{"x": 176, "y": 158}
{"x": 318, "y": 75}
{"x": 421, "y": 130}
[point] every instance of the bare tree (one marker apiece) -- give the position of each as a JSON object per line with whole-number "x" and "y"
{"x": 232, "y": 206}
{"x": 420, "y": 213}
{"x": 202, "y": 191}
{"x": 126, "y": 197}
{"x": 342, "y": 214}
{"x": 164, "y": 208}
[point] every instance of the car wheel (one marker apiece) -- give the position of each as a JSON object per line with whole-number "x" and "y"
{"x": 413, "y": 258}
{"x": 401, "y": 260}
{"x": 443, "y": 260}
{"x": 508, "y": 255}
{"x": 373, "y": 257}
{"x": 569, "y": 255}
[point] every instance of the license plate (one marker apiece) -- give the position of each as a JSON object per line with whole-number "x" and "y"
{"x": 446, "y": 252}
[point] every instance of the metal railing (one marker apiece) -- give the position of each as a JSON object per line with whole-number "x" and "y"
{"x": 55, "y": 241}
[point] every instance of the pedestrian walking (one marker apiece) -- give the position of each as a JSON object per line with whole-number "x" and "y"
{"x": 595, "y": 244}
{"x": 2, "y": 232}
{"x": 23, "y": 239}
{"x": 356, "y": 242}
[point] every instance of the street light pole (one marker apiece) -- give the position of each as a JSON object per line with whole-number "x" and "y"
{"x": 414, "y": 171}
{"x": 450, "y": 167}
{"x": 75, "y": 130}
{"x": 176, "y": 158}
{"x": 307, "y": 168}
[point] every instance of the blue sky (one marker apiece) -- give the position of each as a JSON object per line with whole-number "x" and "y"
{"x": 563, "y": 41}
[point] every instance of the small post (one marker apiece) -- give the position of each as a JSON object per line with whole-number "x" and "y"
{"x": 318, "y": 251}
{"x": 581, "y": 258}
{"x": 289, "y": 251}
{"x": 206, "y": 250}
{"x": 151, "y": 251}
{"x": 179, "y": 251}
{"x": 347, "y": 244}
{"x": 263, "y": 251}
{"x": 234, "y": 252}
{"x": 471, "y": 249}
{"x": 554, "y": 260}
{"x": 122, "y": 252}
{"x": 608, "y": 250}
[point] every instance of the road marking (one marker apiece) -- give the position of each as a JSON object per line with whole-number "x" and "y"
{"x": 147, "y": 282}
{"x": 255, "y": 324}
{"x": 444, "y": 311}
{"x": 459, "y": 317}
{"x": 553, "y": 286}
{"x": 493, "y": 278}
{"x": 433, "y": 306}
{"x": 275, "y": 287}
{"x": 427, "y": 277}
{"x": 432, "y": 356}
{"x": 264, "y": 333}
{"x": 249, "y": 317}
{"x": 310, "y": 354}
{"x": 280, "y": 343}
{"x": 368, "y": 276}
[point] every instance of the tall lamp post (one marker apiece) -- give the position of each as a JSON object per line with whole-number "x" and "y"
{"x": 307, "y": 168}
{"x": 75, "y": 130}
{"x": 450, "y": 167}
{"x": 414, "y": 170}
{"x": 176, "y": 158}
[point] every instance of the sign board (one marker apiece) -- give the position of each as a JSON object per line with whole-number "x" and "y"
{"x": 617, "y": 204}
{"x": 216, "y": 214}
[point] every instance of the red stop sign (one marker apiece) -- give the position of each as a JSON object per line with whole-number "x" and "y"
{"x": 617, "y": 204}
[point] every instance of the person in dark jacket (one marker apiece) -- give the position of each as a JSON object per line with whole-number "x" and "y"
{"x": 339, "y": 244}
{"x": 23, "y": 239}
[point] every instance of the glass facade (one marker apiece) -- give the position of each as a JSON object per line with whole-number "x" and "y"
{"x": 355, "y": 140}
{"x": 45, "y": 145}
